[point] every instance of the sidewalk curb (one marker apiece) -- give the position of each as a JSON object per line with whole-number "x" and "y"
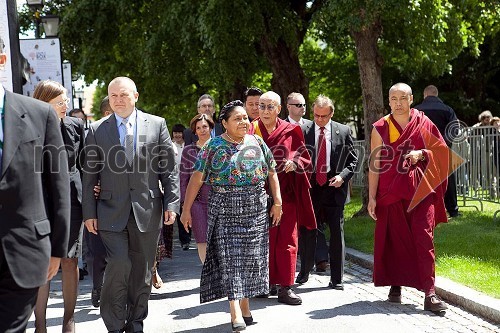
{"x": 471, "y": 300}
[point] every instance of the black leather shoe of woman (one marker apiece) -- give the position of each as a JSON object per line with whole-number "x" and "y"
{"x": 248, "y": 320}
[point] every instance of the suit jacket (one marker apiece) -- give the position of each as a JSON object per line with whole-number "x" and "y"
{"x": 343, "y": 157}
{"x": 190, "y": 137}
{"x": 307, "y": 122}
{"x": 74, "y": 138}
{"x": 125, "y": 187}
{"x": 34, "y": 188}
{"x": 441, "y": 115}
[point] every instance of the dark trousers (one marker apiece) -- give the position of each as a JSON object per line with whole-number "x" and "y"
{"x": 127, "y": 283}
{"x": 16, "y": 303}
{"x": 307, "y": 248}
{"x": 184, "y": 236}
{"x": 96, "y": 258}
{"x": 450, "y": 197}
{"x": 322, "y": 249}
{"x": 328, "y": 203}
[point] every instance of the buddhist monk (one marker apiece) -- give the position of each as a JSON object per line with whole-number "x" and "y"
{"x": 407, "y": 182}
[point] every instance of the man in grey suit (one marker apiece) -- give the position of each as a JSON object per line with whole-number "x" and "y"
{"x": 130, "y": 153}
{"x": 34, "y": 203}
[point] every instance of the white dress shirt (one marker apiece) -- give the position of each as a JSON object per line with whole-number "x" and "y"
{"x": 328, "y": 141}
{"x": 300, "y": 122}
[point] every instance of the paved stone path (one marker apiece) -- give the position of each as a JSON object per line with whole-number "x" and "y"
{"x": 359, "y": 308}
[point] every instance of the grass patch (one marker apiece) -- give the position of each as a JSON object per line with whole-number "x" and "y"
{"x": 467, "y": 247}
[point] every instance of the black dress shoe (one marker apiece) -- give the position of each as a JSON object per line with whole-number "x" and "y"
{"x": 321, "y": 266}
{"x": 336, "y": 286}
{"x": 288, "y": 296}
{"x": 434, "y": 304}
{"x": 273, "y": 290}
{"x": 302, "y": 278}
{"x": 96, "y": 297}
{"x": 81, "y": 274}
{"x": 394, "y": 294}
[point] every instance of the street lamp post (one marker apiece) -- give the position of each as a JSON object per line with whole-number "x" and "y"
{"x": 50, "y": 25}
{"x": 11, "y": 37}
{"x": 36, "y": 6}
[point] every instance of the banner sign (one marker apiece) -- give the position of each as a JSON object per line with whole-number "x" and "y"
{"x": 6, "y": 70}
{"x": 44, "y": 59}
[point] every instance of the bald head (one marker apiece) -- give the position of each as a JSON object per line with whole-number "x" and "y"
{"x": 123, "y": 81}
{"x": 271, "y": 95}
{"x": 403, "y": 87}
{"x": 430, "y": 91}
{"x": 123, "y": 95}
{"x": 400, "y": 99}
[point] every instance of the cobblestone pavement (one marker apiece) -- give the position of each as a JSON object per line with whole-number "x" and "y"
{"x": 359, "y": 308}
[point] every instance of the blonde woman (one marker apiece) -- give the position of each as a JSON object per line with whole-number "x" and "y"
{"x": 72, "y": 131}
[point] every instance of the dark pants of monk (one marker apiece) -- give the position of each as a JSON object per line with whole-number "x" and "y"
{"x": 423, "y": 236}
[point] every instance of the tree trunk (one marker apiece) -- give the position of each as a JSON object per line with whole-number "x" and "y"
{"x": 370, "y": 73}
{"x": 288, "y": 75}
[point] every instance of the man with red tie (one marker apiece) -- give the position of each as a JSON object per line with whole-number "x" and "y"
{"x": 331, "y": 147}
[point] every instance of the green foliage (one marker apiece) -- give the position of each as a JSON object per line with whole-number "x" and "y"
{"x": 335, "y": 74}
{"x": 177, "y": 50}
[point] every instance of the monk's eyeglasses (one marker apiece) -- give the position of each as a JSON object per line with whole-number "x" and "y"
{"x": 270, "y": 107}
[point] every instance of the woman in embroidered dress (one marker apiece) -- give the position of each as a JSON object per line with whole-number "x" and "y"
{"x": 236, "y": 165}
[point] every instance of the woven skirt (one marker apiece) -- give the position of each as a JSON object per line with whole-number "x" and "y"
{"x": 237, "y": 260}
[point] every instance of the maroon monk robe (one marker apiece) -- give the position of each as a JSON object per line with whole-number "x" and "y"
{"x": 409, "y": 204}
{"x": 287, "y": 143}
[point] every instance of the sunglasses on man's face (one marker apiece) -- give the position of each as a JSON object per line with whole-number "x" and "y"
{"x": 299, "y": 105}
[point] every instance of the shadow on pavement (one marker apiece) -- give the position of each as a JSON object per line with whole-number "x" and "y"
{"x": 155, "y": 296}
{"x": 212, "y": 329}
{"x": 363, "y": 308}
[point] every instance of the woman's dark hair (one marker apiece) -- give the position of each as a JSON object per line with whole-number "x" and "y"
{"x": 47, "y": 90}
{"x": 200, "y": 117}
{"x": 228, "y": 109}
{"x": 178, "y": 128}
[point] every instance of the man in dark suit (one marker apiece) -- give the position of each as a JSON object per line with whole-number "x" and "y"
{"x": 34, "y": 203}
{"x": 205, "y": 105}
{"x": 130, "y": 153}
{"x": 331, "y": 147}
{"x": 445, "y": 119}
